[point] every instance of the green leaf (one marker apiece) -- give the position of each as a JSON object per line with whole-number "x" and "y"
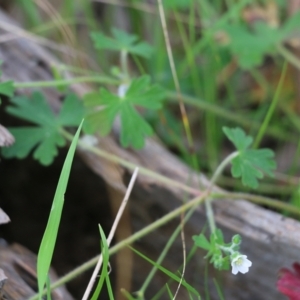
{"x": 27, "y": 138}
{"x": 250, "y": 164}
{"x": 7, "y": 88}
{"x": 49, "y": 238}
{"x": 103, "y": 107}
{"x": 202, "y": 242}
{"x": 177, "y": 4}
{"x": 291, "y": 26}
{"x": 168, "y": 273}
{"x": 46, "y": 136}
{"x": 105, "y": 259}
{"x": 122, "y": 41}
{"x": 250, "y": 47}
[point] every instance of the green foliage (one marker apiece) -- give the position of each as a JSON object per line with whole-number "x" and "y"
{"x": 7, "y": 88}
{"x": 249, "y": 164}
{"x": 134, "y": 129}
{"x": 177, "y": 4}
{"x": 46, "y": 136}
{"x": 220, "y": 260}
{"x": 122, "y": 41}
{"x": 49, "y": 238}
{"x": 168, "y": 273}
{"x": 105, "y": 258}
{"x": 251, "y": 45}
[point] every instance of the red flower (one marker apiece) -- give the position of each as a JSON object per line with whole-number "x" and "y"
{"x": 289, "y": 282}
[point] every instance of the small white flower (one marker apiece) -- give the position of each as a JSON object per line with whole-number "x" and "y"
{"x": 122, "y": 89}
{"x": 240, "y": 264}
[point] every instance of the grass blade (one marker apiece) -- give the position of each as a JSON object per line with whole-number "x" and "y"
{"x": 104, "y": 273}
{"x": 49, "y": 239}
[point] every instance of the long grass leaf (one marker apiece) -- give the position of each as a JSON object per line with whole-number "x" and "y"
{"x": 49, "y": 239}
{"x": 167, "y": 272}
{"x": 104, "y": 274}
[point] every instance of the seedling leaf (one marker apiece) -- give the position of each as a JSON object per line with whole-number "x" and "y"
{"x": 7, "y": 88}
{"x": 250, "y": 164}
{"x": 202, "y": 242}
{"x": 49, "y": 238}
{"x": 46, "y": 136}
{"x": 121, "y": 41}
{"x": 104, "y": 107}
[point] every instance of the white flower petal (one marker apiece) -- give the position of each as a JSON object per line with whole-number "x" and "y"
{"x": 240, "y": 264}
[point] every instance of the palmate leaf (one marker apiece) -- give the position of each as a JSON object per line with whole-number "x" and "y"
{"x": 122, "y": 41}
{"x": 104, "y": 107}
{"x": 251, "y": 45}
{"x": 250, "y": 164}
{"x": 46, "y": 136}
{"x": 7, "y": 88}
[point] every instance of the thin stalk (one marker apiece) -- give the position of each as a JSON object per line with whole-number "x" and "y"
{"x": 63, "y": 82}
{"x": 208, "y": 206}
{"x": 124, "y": 64}
{"x": 185, "y": 120}
{"x": 136, "y": 236}
{"x": 271, "y": 109}
{"x": 163, "y": 254}
{"x": 289, "y": 56}
{"x": 222, "y": 166}
{"x": 131, "y": 166}
{"x": 228, "y": 115}
{"x": 111, "y": 234}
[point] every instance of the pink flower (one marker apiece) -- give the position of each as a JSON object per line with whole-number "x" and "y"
{"x": 289, "y": 282}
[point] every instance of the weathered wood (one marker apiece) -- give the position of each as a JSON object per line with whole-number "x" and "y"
{"x": 19, "y": 266}
{"x": 269, "y": 240}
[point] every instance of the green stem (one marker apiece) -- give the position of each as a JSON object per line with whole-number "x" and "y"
{"x": 163, "y": 254}
{"x": 208, "y": 206}
{"x": 227, "y": 115}
{"x": 136, "y": 236}
{"x": 131, "y": 166}
{"x": 124, "y": 64}
{"x": 271, "y": 109}
{"x": 289, "y": 56}
{"x": 222, "y": 166}
{"x": 63, "y": 82}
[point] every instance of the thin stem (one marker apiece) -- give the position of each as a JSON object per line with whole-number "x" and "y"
{"x": 182, "y": 108}
{"x": 208, "y": 206}
{"x": 111, "y": 234}
{"x": 164, "y": 253}
{"x": 228, "y": 115}
{"x": 271, "y": 109}
{"x": 136, "y": 236}
{"x": 124, "y": 64}
{"x": 289, "y": 56}
{"x": 222, "y": 166}
{"x": 210, "y": 215}
{"x": 63, "y": 82}
{"x": 131, "y": 166}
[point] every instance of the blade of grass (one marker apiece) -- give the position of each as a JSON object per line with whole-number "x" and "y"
{"x": 109, "y": 288}
{"x": 30, "y": 9}
{"x": 104, "y": 273}
{"x": 49, "y": 239}
{"x": 218, "y": 289}
{"x": 111, "y": 234}
{"x": 271, "y": 109}
{"x": 167, "y": 272}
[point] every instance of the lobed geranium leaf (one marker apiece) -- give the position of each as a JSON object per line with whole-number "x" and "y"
{"x": 121, "y": 41}
{"x": 45, "y": 137}
{"x": 250, "y": 164}
{"x": 103, "y": 108}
